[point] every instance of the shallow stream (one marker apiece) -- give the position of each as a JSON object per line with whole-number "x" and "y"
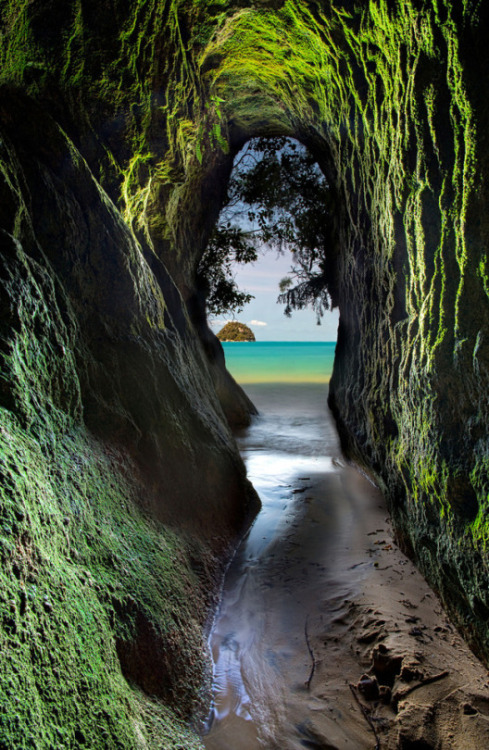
{"x": 297, "y": 565}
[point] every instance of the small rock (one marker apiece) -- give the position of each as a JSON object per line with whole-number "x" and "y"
{"x": 385, "y": 694}
{"x": 368, "y": 687}
{"x": 410, "y": 672}
{"x": 416, "y": 632}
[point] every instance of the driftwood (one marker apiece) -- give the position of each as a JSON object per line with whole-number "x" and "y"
{"x": 311, "y": 654}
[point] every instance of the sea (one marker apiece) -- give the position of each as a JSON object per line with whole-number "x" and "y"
{"x": 280, "y": 361}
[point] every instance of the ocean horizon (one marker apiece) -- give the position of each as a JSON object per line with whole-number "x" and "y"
{"x": 280, "y": 361}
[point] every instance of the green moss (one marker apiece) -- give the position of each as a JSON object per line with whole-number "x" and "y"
{"x": 75, "y": 552}
{"x": 81, "y": 562}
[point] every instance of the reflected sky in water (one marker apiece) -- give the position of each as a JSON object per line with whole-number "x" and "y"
{"x": 287, "y": 570}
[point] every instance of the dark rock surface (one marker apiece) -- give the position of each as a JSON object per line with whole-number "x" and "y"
{"x": 122, "y": 489}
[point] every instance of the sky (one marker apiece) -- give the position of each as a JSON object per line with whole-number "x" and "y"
{"x": 265, "y": 316}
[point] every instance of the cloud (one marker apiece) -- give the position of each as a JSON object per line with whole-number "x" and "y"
{"x": 257, "y": 323}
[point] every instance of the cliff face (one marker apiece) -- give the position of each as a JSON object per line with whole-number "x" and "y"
{"x": 120, "y": 481}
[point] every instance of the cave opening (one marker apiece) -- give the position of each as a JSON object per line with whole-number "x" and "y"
{"x": 273, "y": 242}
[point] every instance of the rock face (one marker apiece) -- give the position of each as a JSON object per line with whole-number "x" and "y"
{"x": 120, "y": 480}
{"x": 108, "y": 548}
{"x": 235, "y": 331}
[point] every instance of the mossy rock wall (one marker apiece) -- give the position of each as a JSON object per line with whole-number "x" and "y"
{"x": 122, "y": 490}
{"x": 120, "y": 121}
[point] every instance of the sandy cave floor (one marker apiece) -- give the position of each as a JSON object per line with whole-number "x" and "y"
{"x": 390, "y": 670}
{"x": 395, "y": 635}
{"x": 319, "y": 582}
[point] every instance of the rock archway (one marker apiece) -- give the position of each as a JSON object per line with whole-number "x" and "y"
{"x": 119, "y": 123}
{"x": 386, "y": 99}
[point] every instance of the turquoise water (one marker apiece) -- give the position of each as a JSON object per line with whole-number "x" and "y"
{"x": 280, "y": 361}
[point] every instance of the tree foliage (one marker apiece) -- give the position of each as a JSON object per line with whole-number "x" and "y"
{"x": 277, "y": 199}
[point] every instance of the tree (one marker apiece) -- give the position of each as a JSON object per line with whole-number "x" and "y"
{"x": 228, "y": 244}
{"x": 277, "y": 199}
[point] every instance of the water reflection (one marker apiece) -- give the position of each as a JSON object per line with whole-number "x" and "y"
{"x": 288, "y": 569}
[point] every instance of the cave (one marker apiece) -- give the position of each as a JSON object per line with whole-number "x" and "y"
{"x": 123, "y": 492}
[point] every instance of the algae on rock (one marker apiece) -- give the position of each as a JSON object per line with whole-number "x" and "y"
{"x": 111, "y": 549}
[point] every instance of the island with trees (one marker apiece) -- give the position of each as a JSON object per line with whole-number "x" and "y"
{"x": 234, "y": 331}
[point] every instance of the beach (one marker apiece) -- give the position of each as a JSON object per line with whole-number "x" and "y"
{"x": 327, "y": 636}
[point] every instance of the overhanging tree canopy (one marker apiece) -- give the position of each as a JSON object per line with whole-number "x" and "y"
{"x": 277, "y": 199}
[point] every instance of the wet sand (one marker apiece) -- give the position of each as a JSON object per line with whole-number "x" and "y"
{"x": 321, "y": 611}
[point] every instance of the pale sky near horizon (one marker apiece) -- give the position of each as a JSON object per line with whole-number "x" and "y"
{"x": 265, "y": 316}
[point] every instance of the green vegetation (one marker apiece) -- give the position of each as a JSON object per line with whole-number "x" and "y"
{"x": 277, "y": 199}
{"x": 93, "y": 587}
{"x": 80, "y": 563}
{"x": 229, "y": 244}
{"x": 234, "y": 331}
